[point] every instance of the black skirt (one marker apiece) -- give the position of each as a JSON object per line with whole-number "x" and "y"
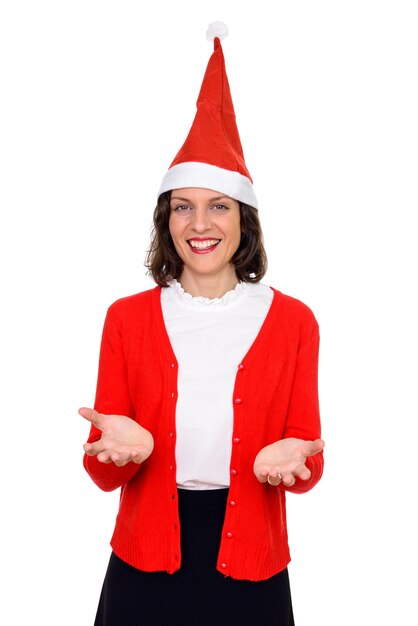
{"x": 197, "y": 594}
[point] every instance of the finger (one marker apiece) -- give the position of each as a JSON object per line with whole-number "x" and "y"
{"x": 105, "y": 456}
{"x": 92, "y": 416}
{"x": 118, "y": 457}
{"x": 121, "y": 457}
{"x": 314, "y": 447}
{"x": 92, "y": 449}
{"x": 274, "y": 479}
{"x": 261, "y": 475}
{"x": 288, "y": 479}
{"x": 304, "y": 474}
{"x": 88, "y": 449}
{"x": 137, "y": 456}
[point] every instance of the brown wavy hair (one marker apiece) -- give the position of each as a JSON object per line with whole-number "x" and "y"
{"x": 164, "y": 264}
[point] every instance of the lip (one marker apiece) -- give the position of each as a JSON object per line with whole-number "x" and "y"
{"x": 205, "y": 250}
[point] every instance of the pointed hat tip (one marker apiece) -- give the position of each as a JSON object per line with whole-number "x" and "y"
{"x": 216, "y": 29}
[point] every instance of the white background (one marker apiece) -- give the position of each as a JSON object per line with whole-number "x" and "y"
{"x": 96, "y": 99}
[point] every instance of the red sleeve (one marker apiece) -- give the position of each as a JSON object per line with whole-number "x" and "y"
{"x": 303, "y": 419}
{"x": 112, "y": 397}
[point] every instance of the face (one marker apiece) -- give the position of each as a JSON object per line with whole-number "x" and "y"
{"x": 205, "y": 228}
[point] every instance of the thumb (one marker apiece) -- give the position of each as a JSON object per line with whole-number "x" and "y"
{"x": 92, "y": 416}
{"x": 313, "y": 447}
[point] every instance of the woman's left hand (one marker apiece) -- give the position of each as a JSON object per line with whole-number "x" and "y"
{"x": 284, "y": 460}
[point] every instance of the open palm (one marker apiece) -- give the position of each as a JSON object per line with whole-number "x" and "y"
{"x": 284, "y": 460}
{"x": 123, "y": 440}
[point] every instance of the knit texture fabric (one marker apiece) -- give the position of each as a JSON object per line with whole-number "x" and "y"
{"x": 275, "y": 397}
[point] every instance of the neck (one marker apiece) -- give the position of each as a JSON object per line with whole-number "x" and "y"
{"x": 208, "y": 286}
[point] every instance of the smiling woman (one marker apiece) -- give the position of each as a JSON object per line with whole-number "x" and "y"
{"x": 164, "y": 260}
{"x": 206, "y": 412}
{"x": 206, "y": 236}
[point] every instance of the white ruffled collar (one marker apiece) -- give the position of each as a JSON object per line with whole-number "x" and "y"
{"x": 227, "y": 298}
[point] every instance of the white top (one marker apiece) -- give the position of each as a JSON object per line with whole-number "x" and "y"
{"x": 209, "y": 337}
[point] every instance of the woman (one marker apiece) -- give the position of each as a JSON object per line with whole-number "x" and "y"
{"x": 206, "y": 409}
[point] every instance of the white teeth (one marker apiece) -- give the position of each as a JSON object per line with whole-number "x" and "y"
{"x": 202, "y": 245}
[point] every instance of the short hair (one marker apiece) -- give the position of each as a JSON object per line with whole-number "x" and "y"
{"x": 164, "y": 264}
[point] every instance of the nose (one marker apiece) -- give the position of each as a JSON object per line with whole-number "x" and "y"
{"x": 200, "y": 220}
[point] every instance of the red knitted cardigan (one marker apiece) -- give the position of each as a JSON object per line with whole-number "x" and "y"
{"x": 275, "y": 396}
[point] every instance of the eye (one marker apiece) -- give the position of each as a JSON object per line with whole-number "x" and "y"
{"x": 219, "y": 208}
{"x": 182, "y": 208}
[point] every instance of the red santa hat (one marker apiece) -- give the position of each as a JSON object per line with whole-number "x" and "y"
{"x": 212, "y": 155}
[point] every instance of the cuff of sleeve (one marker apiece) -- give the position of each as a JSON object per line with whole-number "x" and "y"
{"x": 109, "y": 476}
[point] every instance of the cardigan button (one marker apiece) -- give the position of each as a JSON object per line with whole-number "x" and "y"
{"x": 229, "y": 534}
{"x": 234, "y": 472}
{"x": 232, "y": 503}
{"x": 237, "y": 400}
{"x": 236, "y": 440}
{"x": 223, "y": 565}
{"x": 240, "y": 366}
{"x": 172, "y": 365}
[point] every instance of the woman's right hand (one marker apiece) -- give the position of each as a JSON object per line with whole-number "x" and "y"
{"x": 123, "y": 440}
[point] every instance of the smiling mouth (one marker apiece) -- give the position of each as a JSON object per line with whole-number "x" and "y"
{"x": 200, "y": 246}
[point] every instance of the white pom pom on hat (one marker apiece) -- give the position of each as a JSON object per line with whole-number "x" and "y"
{"x": 216, "y": 29}
{"x": 212, "y": 156}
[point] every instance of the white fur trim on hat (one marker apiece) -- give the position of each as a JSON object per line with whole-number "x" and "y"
{"x": 206, "y": 176}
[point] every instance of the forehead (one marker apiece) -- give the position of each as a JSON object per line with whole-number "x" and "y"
{"x": 194, "y": 194}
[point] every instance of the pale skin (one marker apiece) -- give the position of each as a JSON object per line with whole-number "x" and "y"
{"x": 198, "y": 215}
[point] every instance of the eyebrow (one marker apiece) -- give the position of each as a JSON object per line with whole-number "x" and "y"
{"x": 188, "y": 199}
